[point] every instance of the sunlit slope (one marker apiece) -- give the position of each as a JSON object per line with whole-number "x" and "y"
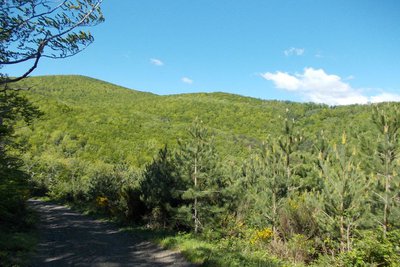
{"x": 98, "y": 121}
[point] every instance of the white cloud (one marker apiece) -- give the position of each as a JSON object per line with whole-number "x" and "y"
{"x": 317, "y": 86}
{"x": 283, "y": 80}
{"x": 156, "y": 62}
{"x": 294, "y": 51}
{"x": 385, "y": 97}
{"x": 187, "y": 80}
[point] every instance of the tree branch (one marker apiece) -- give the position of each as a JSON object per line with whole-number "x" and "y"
{"x": 18, "y": 61}
{"x": 38, "y": 55}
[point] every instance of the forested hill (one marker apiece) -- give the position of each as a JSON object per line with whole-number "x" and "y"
{"x": 302, "y": 182}
{"x": 97, "y": 121}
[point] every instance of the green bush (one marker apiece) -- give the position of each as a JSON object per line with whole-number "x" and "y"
{"x": 104, "y": 190}
{"x": 373, "y": 249}
{"x": 131, "y": 204}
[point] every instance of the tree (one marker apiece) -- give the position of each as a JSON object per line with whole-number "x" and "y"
{"x": 160, "y": 187}
{"x": 344, "y": 195}
{"x": 289, "y": 143}
{"x": 198, "y": 160}
{"x": 387, "y": 155}
{"x": 266, "y": 186}
{"x": 13, "y": 107}
{"x": 32, "y": 29}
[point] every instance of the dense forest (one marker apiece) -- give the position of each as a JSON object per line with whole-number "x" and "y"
{"x": 300, "y": 182}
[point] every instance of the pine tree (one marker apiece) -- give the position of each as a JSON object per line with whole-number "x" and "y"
{"x": 266, "y": 186}
{"x": 160, "y": 187}
{"x": 198, "y": 161}
{"x": 387, "y": 154}
{"x": 289, "y": 143}
{"x": 345, "y": 193}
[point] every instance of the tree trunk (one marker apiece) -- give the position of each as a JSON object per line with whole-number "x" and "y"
{"x": 348, "y": 234}
{"x": 342, "y": 234}
{"x": 274, "y": 215}
{"x": 386, "y": 195}
{"x": 195, "y": 216}
{"x": 386, "y": 205}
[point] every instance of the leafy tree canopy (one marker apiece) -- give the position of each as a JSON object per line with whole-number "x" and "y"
{"x": 32, "y": 29}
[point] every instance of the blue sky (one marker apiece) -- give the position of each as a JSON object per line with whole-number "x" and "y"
{"x": 334, "y": 52}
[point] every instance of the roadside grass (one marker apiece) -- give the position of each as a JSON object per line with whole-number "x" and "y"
{"x": 219, "y": 253}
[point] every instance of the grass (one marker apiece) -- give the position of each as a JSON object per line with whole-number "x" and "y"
{"x": 225, "y": 252}
{"x": 218, "y": 253}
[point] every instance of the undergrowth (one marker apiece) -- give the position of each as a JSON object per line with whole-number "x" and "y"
{"x": 203, "y": 252}
{"x": 17, "y": 242}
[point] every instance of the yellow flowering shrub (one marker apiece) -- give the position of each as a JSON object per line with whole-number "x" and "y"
{"x": 262, "y": 235}
{"x": 102, "y": 201}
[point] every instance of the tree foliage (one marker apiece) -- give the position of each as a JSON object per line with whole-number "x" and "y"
{"x": 265, "y": 185}
{"x": 387, "y": 164}
{"x": 198, "y": 161}
{"x": 161, "y": 188}
{"x": 32, "y": 29}
{"x": 344, "y": 195}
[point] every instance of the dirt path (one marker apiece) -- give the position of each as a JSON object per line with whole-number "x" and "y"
{"x": 68, "y": 238}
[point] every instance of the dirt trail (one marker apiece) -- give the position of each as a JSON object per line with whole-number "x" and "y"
{"x": 68, "y": 238}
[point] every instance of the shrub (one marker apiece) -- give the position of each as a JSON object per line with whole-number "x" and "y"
{"x": 133, "y": 206}
{"x": 105, "y": 184}
{"x": 301, "y": 249}
{"x": 296, "y": 217}
{"x": 373, "y": 249}
{"x": 263, "y": 235}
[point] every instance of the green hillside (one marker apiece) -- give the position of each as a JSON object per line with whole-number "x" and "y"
{"x": 95, "y": 120}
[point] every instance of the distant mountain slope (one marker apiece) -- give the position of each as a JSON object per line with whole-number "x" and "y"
{"x": 97, "y": 121}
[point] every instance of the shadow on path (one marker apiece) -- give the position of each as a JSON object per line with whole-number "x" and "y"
{"x": 68, "y": 238}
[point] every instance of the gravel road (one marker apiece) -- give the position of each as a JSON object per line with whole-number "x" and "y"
{"x": 68, "y": 238}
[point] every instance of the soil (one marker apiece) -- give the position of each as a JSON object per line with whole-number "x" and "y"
{"x": 68, "y": 238}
